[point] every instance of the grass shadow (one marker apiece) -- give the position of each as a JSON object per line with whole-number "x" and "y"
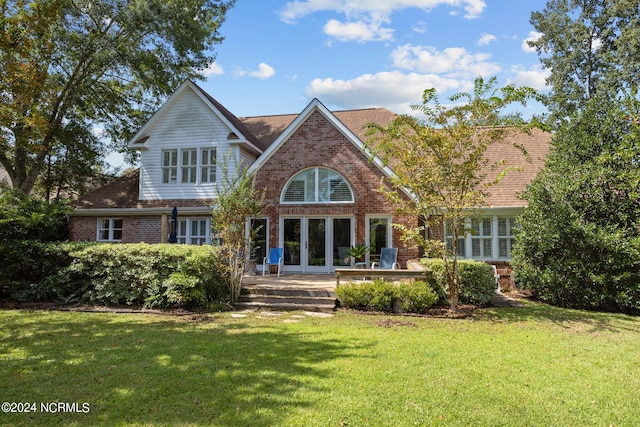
{"x": 161, "y": 371}
{"x": 586, "y": 321}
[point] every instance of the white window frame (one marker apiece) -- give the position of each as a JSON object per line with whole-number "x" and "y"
{"x": 481, "y": 234}
{"x": 208, "y": 169}
{"x": 508, "y": 238}
{"x": 169, "y": 166}
{"x": 315, "y": 186}
{"x": 367, "y": 231}
{"x": 111, "y": 229}
{"x": 189, "y": 166}
{"x": 465, "y": 243}
{"x": 184, "y": 231}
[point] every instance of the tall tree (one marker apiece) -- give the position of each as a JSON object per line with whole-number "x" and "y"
{"x": 106, "y": 62}
{"x": 440, "y": 161}
{"x": 589, "y": 46}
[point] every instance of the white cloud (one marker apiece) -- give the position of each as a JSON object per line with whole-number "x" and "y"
{"x": 299, "y": 8}
{"x": 365, "y": 17}
{"x": 534, "y": 77}
{"x": 263, "y": 72}
{"x": 454, "y": 61}
{"x": 394, "y": 90}
{"x": 485, "y": 39}
{"x": 213, "y": 69}
{"x": 357, "y": 31}
{"x": 533, "y": 36}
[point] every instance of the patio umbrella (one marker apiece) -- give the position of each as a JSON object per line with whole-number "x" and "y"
{"x": 174, "y": 226}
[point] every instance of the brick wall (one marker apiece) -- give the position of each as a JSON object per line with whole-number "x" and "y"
{"x": 135, "y": 229}
{"x": 318, "y": 143}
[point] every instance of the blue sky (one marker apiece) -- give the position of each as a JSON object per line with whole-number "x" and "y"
{"x": 278, "y": 55}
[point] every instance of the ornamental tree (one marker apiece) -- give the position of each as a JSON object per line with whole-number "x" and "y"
{"x": 237, "y": 200}
{"x": 439, "y": 161}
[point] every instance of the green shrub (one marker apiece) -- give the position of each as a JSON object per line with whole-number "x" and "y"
{"x": 414, "y": 297}
{"x": 377, "y": 295}
{"x": 477, "y": 282}
{"x": 24, "y": 217}
{"x": 108, "y": 274}
{"x": 417, "y": 297}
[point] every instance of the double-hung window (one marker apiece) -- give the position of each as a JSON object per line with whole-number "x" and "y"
{"x": 189, "y": 166}
{"x": 109, "y": 230}
{"x": 506, "y": 239}
{"x": 208, "y": 165}
{"x": 481, "y": 238}
{"x": 194, "y": 231}
{"x": 169, "y": 166}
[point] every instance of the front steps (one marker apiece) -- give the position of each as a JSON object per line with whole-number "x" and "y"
{"x": 287, "y": 298}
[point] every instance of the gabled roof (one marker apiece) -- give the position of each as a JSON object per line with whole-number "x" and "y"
{"x": 356, "y": 118}
{"x": 235, "y": 125}
{"x": 267, "y": 129}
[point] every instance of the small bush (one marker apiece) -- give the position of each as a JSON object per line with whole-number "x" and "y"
{"x": 377, "y": 295}
{"x": 477, "y": 283}
{"x": 414, "y": 297}
{"x": 417, "y": 297}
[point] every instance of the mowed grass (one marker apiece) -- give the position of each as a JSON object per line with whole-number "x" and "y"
{"x": 531, "y": 366}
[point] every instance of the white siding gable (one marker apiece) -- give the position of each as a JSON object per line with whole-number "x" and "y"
{"x": 187, "y": 123}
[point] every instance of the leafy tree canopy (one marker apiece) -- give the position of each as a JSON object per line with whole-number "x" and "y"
{"x": 439, "y": 159}
{"x": 589, "y": 46}
{"x": 88, "y": 62}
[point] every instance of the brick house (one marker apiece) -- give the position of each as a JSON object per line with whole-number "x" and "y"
{"x": 320, "y": 184}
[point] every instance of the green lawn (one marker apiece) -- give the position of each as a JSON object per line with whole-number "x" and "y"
{"x": 532, "y": 366}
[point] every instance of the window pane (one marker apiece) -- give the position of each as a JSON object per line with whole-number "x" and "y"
{"x": 502, "y": 248}
{"x": 475, "y": 248}
{"x": 317, "y": 185}
{"x": 323, "y": 185}
{"x": 294, "y": 192}
{"x": 502, "y": 226}
{"x": 117, "y": 234}
{"x": 486, "y": 227}
{"x": 310, "y": 186}
{"x": 486, "y": 248}
{"x": 377, "y": 235}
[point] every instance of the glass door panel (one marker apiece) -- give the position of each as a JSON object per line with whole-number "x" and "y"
{"x": 292, "y": 239}
{"x": 341, "y": 241}
{"x": 316, "y": 242}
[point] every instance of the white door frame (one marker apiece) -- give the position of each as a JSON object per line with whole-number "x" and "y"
{"x": 303, "y": 267}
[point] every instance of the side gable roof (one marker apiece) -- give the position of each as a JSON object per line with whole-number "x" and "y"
{"x": 230, "y": 120}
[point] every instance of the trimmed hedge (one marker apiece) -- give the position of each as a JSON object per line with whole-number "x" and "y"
{"x": 414, "y": 297}
{"x": 108, "y": 274}
{"x": 477, "y": 282}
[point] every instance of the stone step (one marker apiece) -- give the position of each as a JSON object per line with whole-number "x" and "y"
{"x": 281, "y": 305}
{"x": 289, "y": 292}
{"x": 277, "y": 299}
{"x": 286, "y": 298}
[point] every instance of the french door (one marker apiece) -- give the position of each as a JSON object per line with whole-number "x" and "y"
{"x": 316, "y": 244}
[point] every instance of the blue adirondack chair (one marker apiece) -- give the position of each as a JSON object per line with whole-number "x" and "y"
{"x": 275, "y": 258}
{"x": 388, "y": 257}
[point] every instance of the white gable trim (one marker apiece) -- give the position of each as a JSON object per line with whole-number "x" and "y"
{"x": 158, "y": 114}
{"x": 316, "y": 105}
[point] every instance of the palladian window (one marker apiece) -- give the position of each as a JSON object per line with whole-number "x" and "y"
{"x": 317, "y": 185}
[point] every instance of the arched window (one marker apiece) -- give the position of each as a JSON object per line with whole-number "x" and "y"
{"x": 317, "y": 185}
